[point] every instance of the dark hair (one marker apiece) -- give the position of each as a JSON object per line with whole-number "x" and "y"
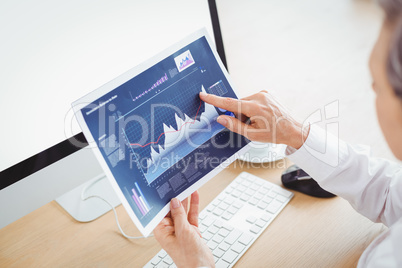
{"x": 393, "y": 13}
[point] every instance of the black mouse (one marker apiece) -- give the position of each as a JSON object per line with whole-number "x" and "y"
{"x": 297, "y": 179}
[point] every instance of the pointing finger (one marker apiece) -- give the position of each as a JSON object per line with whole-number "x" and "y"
{"x": 230, "y": 104}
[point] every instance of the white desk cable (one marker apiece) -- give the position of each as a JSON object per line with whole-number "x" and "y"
{"x": 83, "y": 198}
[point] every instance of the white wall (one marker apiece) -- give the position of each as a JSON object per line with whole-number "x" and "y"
{"x": 309, "y": 53}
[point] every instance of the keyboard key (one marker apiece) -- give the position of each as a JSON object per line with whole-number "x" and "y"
{"x": 155, "y": 260}
{"x": 202, "y": 215}
{"x": 230, "y": 256}
{"x": 213, "y": 229}
{"x": 235, "y": 183}
{"x": 212, "y": 244}
{"x": 260, "y": 223}
{"x": 223, "y": 232}
{"x": 207, "y": 235}
{"x": 251, "y": 178}
{"x": 251, "y": 219}
{"x": 245, "y": 239}
{"x": 232, "y": 237}
{"x": 246, "y": 183}
{"x": 245, "y": 197}
{"x": 267, "y": 185}
{"x": 259, "y": 196}
{"x": 162, "y": 253}
{"x": 232, "y": 210}
{"x": 163, "y": 265}
{"x": 218, "y": 223}
{"x": 266, "y": 217}
{"x": 229, "y": 190}
{"x": 262, "y": 205}
{"x": 228, "y": 200}
{"x": 281, "y": 198}
{"x": 168, "y": 260}
{"x": 202, "y": 228}
{"x": 274, "y": 206}
{"x": 222, "y": 264}
{"x": 255, "y": 186}
{"x": 258, "y": 182}
{"x": 267, "y": 199}
{"x": 208, "y": 221}
{"x": 210, "y": 208}
{"x": 216, "y": 202}
{"x": 223, "y": 206}
{"x": 283, "y": 192}
{"x": 236, "y": 193}
{"x": 228, "y": 227}
{"x": 218, "y": 252}
{"x": 243, "y": 175}
{"x": 250, "y": 192}
{"x": 263, "y": 191}
{"x": 271, "y": 194}
{"x": 224, "y": 246}
{"x": 227, "y": 216}
{"x": 241, "y": 188}
{"x": 237, "y": 204}
{"x": 253, "y": 201}
{"x": 237, "y": 247}
{"x": 218, "y": 211}
{"x": 216, "y": 259}
{"x": 255, "y": 229}
{"x": 217, "y": 238}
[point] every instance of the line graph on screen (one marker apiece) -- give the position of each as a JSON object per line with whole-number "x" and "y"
{"x": 174, "y": 129}
{"x": 164, "y": 133}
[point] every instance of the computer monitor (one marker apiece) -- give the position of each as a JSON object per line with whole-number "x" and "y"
{"x": 54, "y": 53}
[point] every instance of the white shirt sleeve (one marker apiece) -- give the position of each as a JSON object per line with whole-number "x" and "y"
{"x": 373, "y": 186}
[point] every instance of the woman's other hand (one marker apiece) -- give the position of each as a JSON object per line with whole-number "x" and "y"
{"x": 178, "y": 234}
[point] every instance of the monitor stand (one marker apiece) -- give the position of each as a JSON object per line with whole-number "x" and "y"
{"x": 92, "y": 208}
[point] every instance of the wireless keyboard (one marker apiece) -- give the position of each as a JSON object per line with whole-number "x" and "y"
{"x": 235, "y": 219}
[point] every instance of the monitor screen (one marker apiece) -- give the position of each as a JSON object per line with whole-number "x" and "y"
{"x": 57, "y": 51}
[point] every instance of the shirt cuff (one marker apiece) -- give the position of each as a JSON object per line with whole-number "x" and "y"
{"x": 320, "y": 155}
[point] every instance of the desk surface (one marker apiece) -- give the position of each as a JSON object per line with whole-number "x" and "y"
{"x": 309, "y": 232}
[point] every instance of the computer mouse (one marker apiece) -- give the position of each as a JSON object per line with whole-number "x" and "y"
{"x": 297, "y": 179}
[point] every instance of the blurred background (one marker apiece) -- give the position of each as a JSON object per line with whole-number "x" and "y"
{"x": 308, "y": 54}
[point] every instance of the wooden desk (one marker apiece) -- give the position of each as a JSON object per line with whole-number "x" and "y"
{"x": 309, "y": 232}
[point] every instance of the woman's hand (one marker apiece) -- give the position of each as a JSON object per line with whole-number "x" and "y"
{"x": 178, "y": 234}
{"x": 259, "y": 118}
